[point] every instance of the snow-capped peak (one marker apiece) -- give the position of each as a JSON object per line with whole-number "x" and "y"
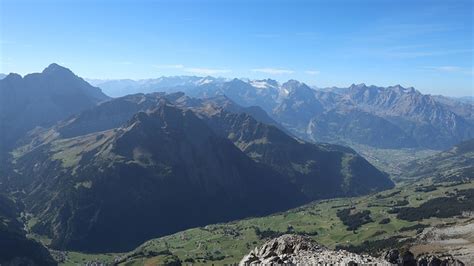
{"x": 264, "y": 84}
{"x": 205, "y": 80}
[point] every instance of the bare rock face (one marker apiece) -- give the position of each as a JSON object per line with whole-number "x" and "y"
{"x": 431, "y": 260}
{"x": 299, "y": 250}
{"x": 394, "y": 257}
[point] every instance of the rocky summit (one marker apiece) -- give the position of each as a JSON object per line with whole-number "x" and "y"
{"x": 300, "y": 250}
{"x": 290, "y": 249}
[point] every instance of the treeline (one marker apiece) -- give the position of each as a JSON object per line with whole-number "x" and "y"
{"x": 354, "y": 219}
{"x": 443, "y": 207}
{"x": 376, "y": 247}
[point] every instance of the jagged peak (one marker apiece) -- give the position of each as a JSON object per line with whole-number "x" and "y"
{"x": 12, "y": 77}
{"x": 236, "y": 80}
{"x": 398, "y": 88}
{"x": 401, "y": 89}
{"x": 55, "y": 68}
{"x": 358, "y": 86}
{"x": 293, "y": 82}
{"x": 205, "y": 80}
{"x": 267, "y": 80}
{"x": 264, "y": 83}
{"x": 294, "y": 86}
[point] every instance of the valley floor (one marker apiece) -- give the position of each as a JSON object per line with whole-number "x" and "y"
{"x": 229, "y": 242}
{"x": 390, "y": 160}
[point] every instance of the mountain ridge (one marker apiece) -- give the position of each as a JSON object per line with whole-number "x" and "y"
{"x": 166, "y": 160}
{"x": 158, "y": 145}
{"x": 295, "y": 104}
{"x": 418, "y": 117}
{"x": 41, "y": 99}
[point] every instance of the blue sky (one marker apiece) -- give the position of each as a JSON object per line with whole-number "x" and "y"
{"x": 425, "y": 44}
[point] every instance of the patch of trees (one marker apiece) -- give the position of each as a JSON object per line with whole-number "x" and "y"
{"x": 382, "y": 196}
{"x": 384, "y": 221}
{"x": 426, "y": 188}
{"x": 442, "y": 207}
{"x": 268, "y": 233}
{"x": 397, "y": 203}
{"x": 354, "y": 219}
{"x": 377, "y": 247}
{"x": 393, "y": 210}
{"x": 402, "y": 202}
{"x": 167, "y": 256}
{"x": 306, "y": 233}
{"x": 339, "y": 206}
{"x": 418, "y": 227}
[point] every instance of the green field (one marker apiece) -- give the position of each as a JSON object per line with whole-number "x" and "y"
{"x": 229, "y": 242}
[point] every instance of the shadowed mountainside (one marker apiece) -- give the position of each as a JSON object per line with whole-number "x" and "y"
{"x": 168, "y": 155}
{"x": 15, "y": 247}
{"x": 41, "y": 99}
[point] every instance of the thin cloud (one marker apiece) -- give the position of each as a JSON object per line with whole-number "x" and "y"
{"x": 414, "y": 54}
{"x": 206, "y": 71}
{"x": 451, "y": 69}
{"x": 273, "y": 71}
{"x": 194, "y": 70}
{"x": 312, "y": 72}
{"x": 446, "y": 68}
{"x": 175, "y": 66}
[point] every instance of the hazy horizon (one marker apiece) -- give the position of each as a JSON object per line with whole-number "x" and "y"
{"x": 90, "y": 80}
{"x": 322, "y": 43}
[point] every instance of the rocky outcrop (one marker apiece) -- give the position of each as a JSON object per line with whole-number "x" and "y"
{"x": 407, "y": 258}
{"x": 431, "y": 260}
{"x": 299, "y": 250}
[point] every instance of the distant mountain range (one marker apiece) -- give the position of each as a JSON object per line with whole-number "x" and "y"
{"x": 392, "y": 117}
{"x": 123, "y": 170}
{"x": 122, "y": 87}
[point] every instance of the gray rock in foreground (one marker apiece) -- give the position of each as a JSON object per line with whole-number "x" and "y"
{"x": 299, "y": 250}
